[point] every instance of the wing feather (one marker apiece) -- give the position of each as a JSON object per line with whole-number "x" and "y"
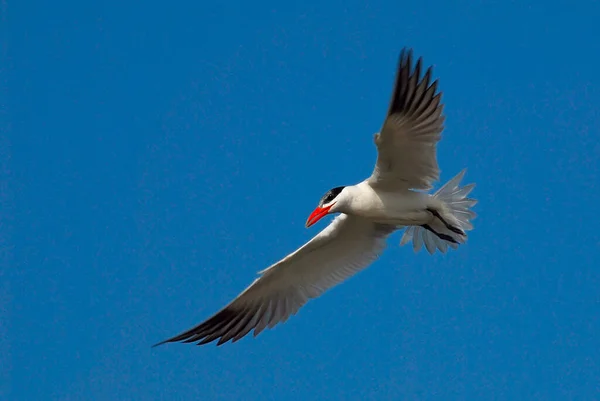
{"x": 407, "y": 142}
{"x": 348, "y": 245}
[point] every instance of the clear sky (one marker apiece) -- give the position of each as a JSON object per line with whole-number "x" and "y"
{"x": 156, "y": 155}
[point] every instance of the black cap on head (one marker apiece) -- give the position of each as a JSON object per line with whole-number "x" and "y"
{"x": 330, "y": 195}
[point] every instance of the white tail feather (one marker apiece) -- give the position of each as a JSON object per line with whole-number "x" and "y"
{"x": 458, "y": 212}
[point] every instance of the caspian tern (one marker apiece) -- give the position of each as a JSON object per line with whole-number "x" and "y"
{"x": 392, "y": 198}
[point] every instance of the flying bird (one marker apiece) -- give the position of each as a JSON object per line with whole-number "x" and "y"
{"x": 394, "y": 197}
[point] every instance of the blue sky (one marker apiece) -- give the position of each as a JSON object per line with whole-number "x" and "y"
{"x": 156, "y": 155}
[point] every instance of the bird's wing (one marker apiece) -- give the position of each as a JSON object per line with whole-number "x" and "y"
{"x": 343, "y": 248}
{"x": 407, "y": 142}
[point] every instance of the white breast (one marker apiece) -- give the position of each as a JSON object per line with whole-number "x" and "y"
{"x": 391, "y": 207}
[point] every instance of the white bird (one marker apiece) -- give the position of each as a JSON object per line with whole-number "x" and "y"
{"x": 392, "y": 198}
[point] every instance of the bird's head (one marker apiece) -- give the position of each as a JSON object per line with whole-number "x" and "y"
{"x": 331, "y": 202}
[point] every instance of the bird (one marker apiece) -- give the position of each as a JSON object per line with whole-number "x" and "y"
{"x": 395, "y": 196}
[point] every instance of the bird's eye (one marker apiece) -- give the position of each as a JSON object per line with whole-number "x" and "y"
{"x": 331, "y": 195}
{"x": 326, "y": 198}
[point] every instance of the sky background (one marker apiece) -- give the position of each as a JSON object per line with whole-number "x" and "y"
{"x": 155, "y": 155}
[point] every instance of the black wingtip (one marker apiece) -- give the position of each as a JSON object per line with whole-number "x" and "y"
{"x": 210, "y": 330}
{"x": 405, "y": 54}
{"x": 413, "y": 93}
{"x": 160, "y": 343}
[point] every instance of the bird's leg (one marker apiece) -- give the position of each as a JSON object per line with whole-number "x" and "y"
{"x": 448, "y": 226}
{"x": 445, "y": 237}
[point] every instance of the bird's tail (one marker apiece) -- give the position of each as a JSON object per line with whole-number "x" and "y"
{"x": 448, "y": 230}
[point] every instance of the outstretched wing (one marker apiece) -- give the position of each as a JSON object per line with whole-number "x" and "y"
{"x": 346, "y": 246}
{"x": 407, "y": 142}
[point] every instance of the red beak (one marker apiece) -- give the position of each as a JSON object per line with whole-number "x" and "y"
{"x": 317, "y": 215}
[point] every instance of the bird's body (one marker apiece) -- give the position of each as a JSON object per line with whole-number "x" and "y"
{"x": 392, "y": 198}
{"x": 397, "y": 208}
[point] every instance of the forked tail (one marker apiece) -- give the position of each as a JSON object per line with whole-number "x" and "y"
{"x": 445, "y": 231}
